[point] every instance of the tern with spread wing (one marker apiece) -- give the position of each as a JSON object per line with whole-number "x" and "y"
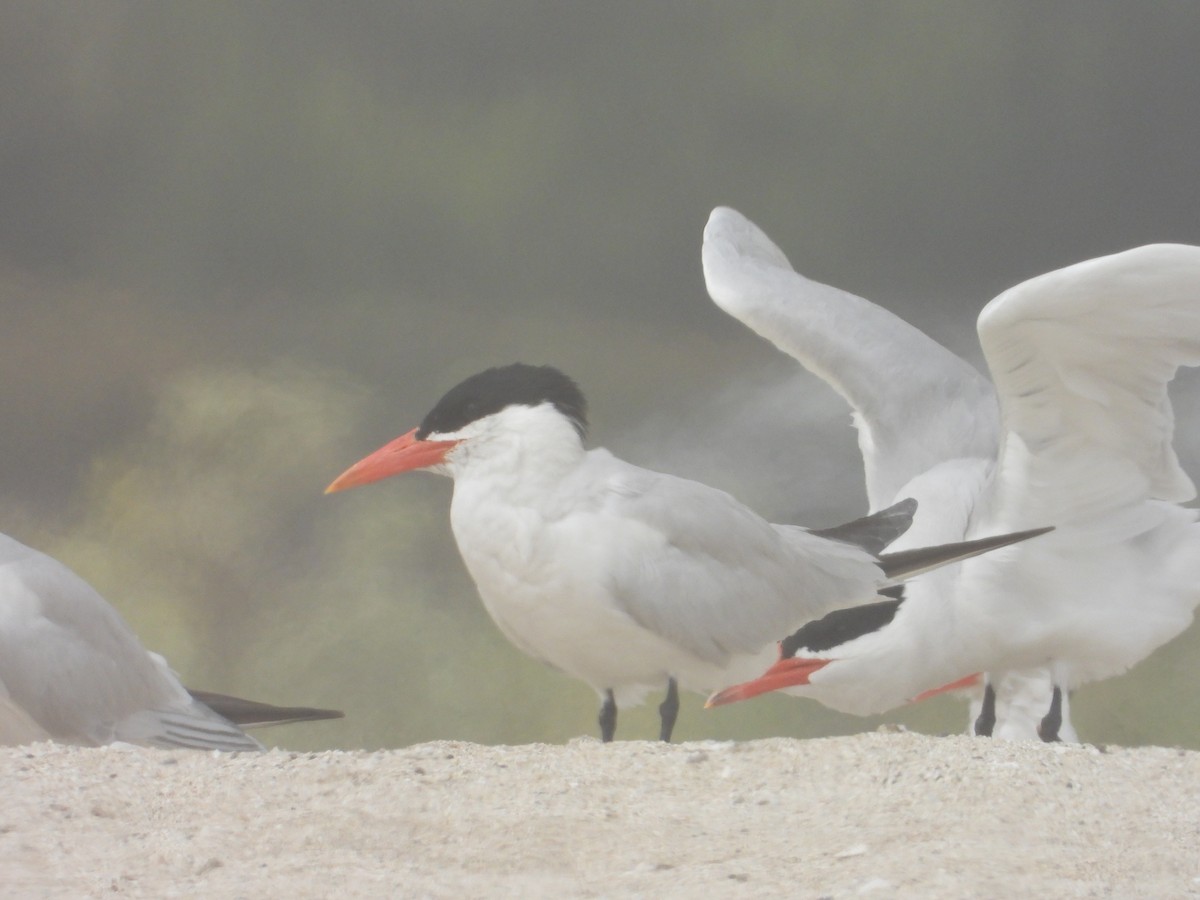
{"x": 72, "y": 671}
{"x": 1077, "y": 431}
{"x": 928, "y": 426}
{"x": 625, "y": 578}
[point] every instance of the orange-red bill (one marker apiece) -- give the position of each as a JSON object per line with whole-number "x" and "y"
{"x": 404, "y": 454}
{"x": 788, "y": 672}
{"x": 962, "y": 684}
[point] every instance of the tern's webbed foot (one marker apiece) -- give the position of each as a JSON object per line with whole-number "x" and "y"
{"x": 668, "y": 710}
{"x": 987, "y": 713}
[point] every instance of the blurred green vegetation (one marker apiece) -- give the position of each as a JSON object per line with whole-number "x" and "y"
{"x": 208, "y": 530}
{"x": 242, "y": 244}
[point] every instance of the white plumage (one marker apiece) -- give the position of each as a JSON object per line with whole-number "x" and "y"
{"x": 624, "y": 578}
{"x": 1076, "y": 432}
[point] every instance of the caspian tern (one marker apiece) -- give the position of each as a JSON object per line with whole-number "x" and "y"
{"x": 928, "y": 426}
{"x": 1079, "y": 434}
{"x": 71, "y": 670}
{"x": 625, "y": 578}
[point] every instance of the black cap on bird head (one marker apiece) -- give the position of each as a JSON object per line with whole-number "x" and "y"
{"x": 495, "y": 389}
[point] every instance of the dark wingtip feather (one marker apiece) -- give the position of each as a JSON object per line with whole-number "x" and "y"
{"x": 874, "y": 532}
{"x": 907, "y": 563}
{"x": 253, "y": 714}
{"x": 839, "y": 627}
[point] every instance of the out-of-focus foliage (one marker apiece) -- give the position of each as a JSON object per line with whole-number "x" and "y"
{"x": 209, "y": 532}
{"x": 242, "y": 244}
{"x": 234, "y": 565}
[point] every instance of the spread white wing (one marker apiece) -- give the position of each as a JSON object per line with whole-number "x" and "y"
{"x": 1081, "y": 358}
{"x": 915, "y": 403}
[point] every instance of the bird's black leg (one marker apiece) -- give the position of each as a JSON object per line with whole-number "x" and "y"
{"x": 668, "y": 710}
{"x": 987, "y": 713}
{"x": 1048, "y": 729}
{"x": 608, "y": 717}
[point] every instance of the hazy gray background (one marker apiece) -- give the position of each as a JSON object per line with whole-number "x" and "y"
{"x": 242, "y": 244}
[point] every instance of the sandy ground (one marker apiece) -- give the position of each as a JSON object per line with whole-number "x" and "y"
{"x": 881, "y": 815}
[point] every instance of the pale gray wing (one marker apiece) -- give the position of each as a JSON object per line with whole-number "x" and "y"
{"x": 915, "y": 403}
{"x": 72, "y": 664}
{"x": 1081, "y": 358}
{"x": 693, "y": 565}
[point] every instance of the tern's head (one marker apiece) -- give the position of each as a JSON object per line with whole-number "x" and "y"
{"x": 499, "y": 401}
